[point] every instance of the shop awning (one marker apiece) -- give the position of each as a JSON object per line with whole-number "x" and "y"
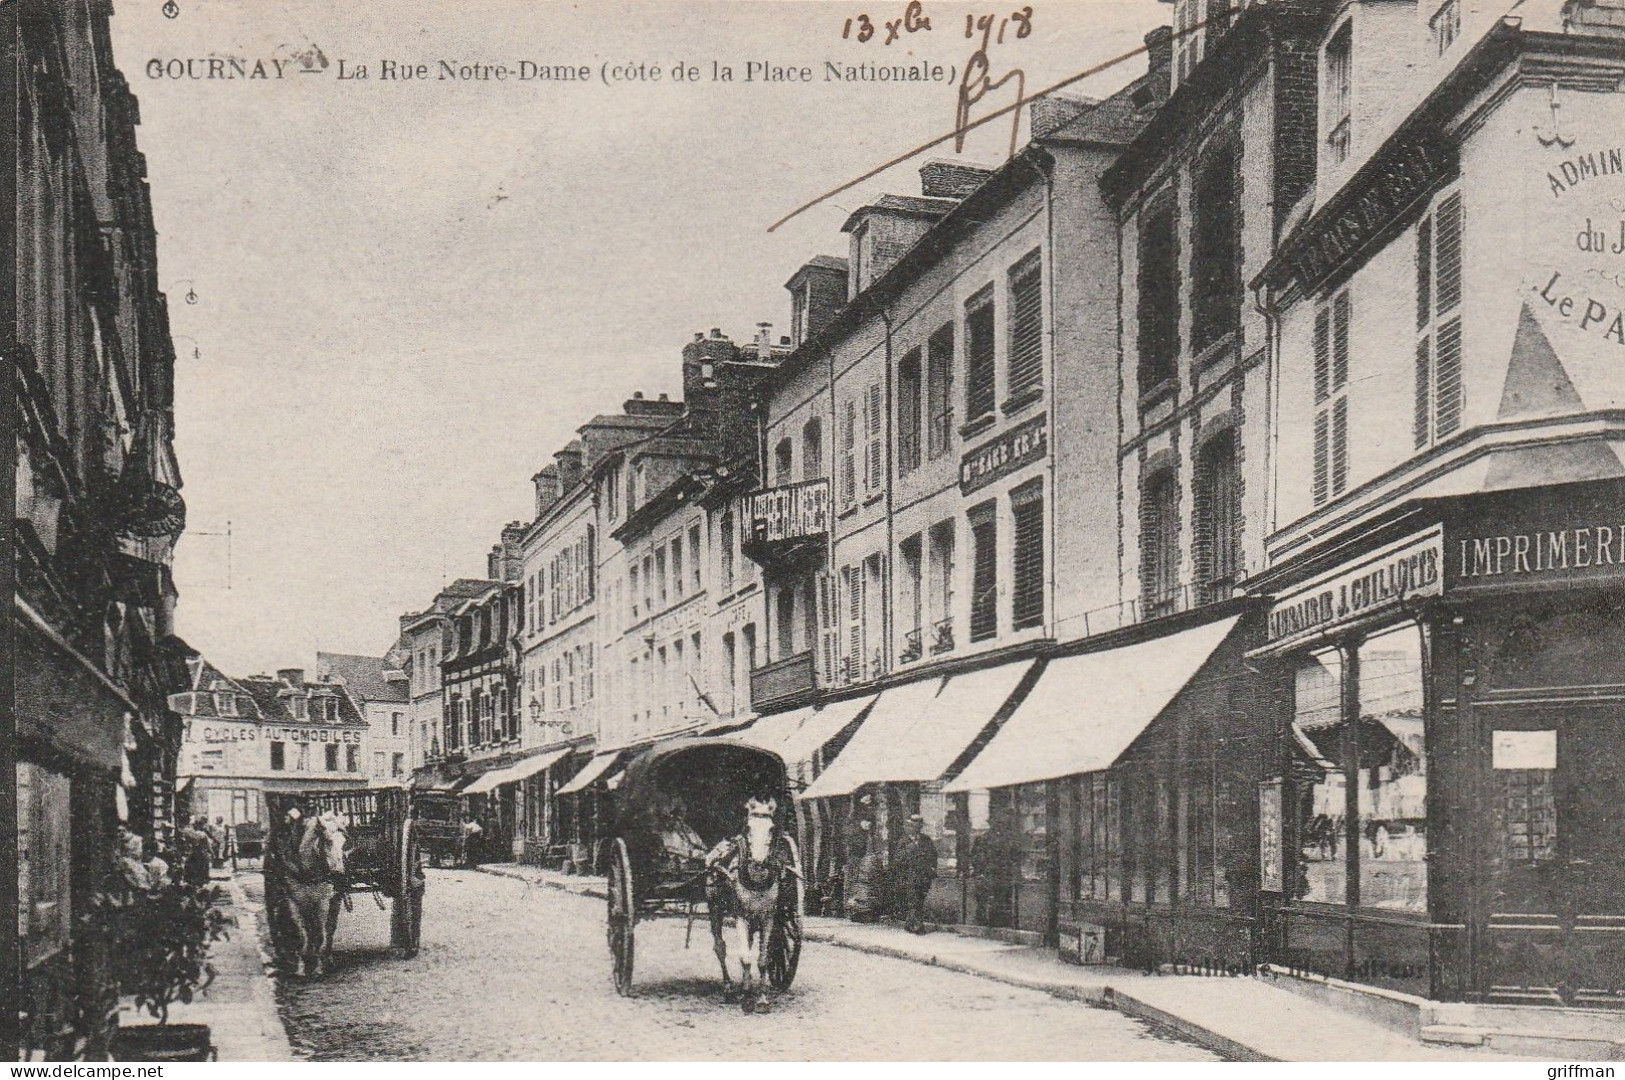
{"x": 770, "y": 732}
{"x": 593, "y": 770}
{"x": 1085, "y": 710}
{"x": 819, "y": 728}
{"x": 915, "y": 732}
{"x": 514, "y": 773}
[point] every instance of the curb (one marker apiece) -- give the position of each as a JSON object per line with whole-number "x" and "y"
{"x": 1103, "y": 997}
{"x": 271, "y": 1041}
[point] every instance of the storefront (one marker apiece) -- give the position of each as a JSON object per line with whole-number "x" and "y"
{"x": 1446, "y": 815}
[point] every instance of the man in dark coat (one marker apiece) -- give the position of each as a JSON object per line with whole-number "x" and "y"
{"x": 917, "y": 868}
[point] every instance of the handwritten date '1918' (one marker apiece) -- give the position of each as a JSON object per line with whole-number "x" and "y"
{"x": 913, "y": 20}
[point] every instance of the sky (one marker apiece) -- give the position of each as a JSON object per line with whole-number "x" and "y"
{"x": 393, "y": 300}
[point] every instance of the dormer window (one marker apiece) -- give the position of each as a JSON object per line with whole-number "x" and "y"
{"x": 1445, "y": 26}
{"x": 299, "y": 709}
{"x": 225, "y": 704}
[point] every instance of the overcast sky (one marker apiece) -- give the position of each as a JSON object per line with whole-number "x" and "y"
{"x": 408, "y": 295}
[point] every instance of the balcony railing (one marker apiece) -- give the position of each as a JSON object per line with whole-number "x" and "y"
{"x": 913, "y": 647}
{"x": 781, "y": 680}
{"x": 942, "y": 637}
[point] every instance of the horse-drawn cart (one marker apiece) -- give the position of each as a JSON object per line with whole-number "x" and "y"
{"x": 376, "y": 833}
{"x": 709, "y": 824}
{"x": 440, "y": 826}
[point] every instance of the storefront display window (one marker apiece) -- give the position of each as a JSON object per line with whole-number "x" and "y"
{"x": 1392, "y": 773}
{"x": 1139, "y": 821}
{"x": 1319, "y": 744}
{"x": 44, "y": 909}
{"x": 1162, "y": 873}
{"x": 1032, "y": 810}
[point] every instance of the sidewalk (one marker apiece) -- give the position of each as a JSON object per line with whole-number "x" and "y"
{"x": 1243, "y": 1019}
{"x": 240, "y": 1004}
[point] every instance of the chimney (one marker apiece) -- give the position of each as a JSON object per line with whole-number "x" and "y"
{"x": 638, "y": 405}
{"x": 947, "y": 179}
{"x": 1054, "y": 111}
{"x": 764, "y": 341}
{"x": 292, "y": 676}
{"x": 548, "y": 491}
{"x": 513, "y": 551}
{"x": 1159, "y": 50}
{"x": 493, "y": 563}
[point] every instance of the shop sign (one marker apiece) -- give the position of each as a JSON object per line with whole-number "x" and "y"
{"x": 792, "y": 512}
{"x": 1270, "y": 875}
{"x": 1571, "y": 533}
{"x": 1524, "y": 750}
{"x": 1020, "y": 446}
{"x": 1400, "y": 571}
{"x": 197, "y": 731}
{"x": 312, "y": 735}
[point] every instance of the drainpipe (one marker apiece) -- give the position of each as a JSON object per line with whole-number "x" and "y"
{"x": 885, "y": 452}
{"x": 1265, "y": 306}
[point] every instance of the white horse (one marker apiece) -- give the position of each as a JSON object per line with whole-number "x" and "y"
{"x": 744, "y": 887}
{"x": 309, "y": 860}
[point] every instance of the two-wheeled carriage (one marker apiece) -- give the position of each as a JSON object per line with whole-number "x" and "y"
{"x": 380, "y": 856}
{"x": 698, "y": 821}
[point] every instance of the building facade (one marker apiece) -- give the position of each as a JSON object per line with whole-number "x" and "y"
{"x": 1443, "y": 542}
{"x": 245, "y": 737}
{"x": 97, "y": 512}
{"x": 380, "y": 690}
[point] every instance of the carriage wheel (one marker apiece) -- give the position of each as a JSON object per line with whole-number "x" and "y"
{"x": 622, "y": 917}
{"x": 406, "y": 914}
{"x": 784, "y": 941}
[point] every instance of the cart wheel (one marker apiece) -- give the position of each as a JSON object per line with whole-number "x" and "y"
{"x": 406, "y": 916}
{"x": 784, "y": 942}
{"x": 622, "y": 917}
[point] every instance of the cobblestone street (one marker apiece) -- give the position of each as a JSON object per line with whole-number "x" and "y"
{"x": 512, "y": 972}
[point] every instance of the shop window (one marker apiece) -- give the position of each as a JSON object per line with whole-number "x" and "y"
{"x": 1162, "y": 843}
{"x": 1033, "y": 810}
{"x": 1138, "y": 823}
{"x": 1393, "y": 773}
{"x": 1319, "y": 747}
{"x": 44, "y": 861}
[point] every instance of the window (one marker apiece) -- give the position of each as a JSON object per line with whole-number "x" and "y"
{"x": 660, "y": 574}
{"x": 299, "y": 708}
{"x": 589, "y": 564}
{"x": 828, "y": 629}
{"x": 1216, "y": 290}
{"x": 984, "y": 596}
{"x": 908, "y": 413}
{"x": 874, "y": 444}
{"x": 939, "y": 403}
{"x": 395, "y": 720}
{"x": 852, "y": 602}
{"x": 44, "y": 860}
{"x": 1331, "y": 433}
{"x": 678, "y": 581}
{"x": 812, "y": 450}
{"x": 783, "y": 462}
{"x": 694, "y": 558}
{"x": 1026, "y": 327}
{"x": 378, "y": 763}
{"x": 1438, "y": 407}
{"x": 942, "y": 587}
{"x": 912, "y": 600}
{"x": 649, "y": 583}
{"x": 632, "y": 591}
{"x": 279, "y": 756}
{"x": 570, "y": 679}
{"x": 612, "y": 494}
{"x": 225, "y": 704}
{"x": 727, "y": 553}
{"x": 352, "y": 758}
{"x": 1393, "y": 773}
{"x": 1218, "y": 518}
{"x": 1339, "y": 92}
{"x": 1323, "y": 805}
{"x": 1445, "y": 26}
{"x": 301, "y": 757}
{"x": 1027, "y": 579}
{"x": 730, "y": 661}
{"x": 849, "y": 453}
{"x": 784, "y": 618}
{"x": 980, "y": 373}
{"x": 397, "y": 764}
{"x": 747, "y": 638}
{"x": 1159, "y": 544}
{"x": 586, "y": 673}
{"x": 1158, "y": 304}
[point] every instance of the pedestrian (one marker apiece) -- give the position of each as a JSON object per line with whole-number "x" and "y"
{"x": 196, "y": 850}
{"x": 218, "y": 835}
{"x": 917, "y": 868}
{"x": 863, "y": 899}
{"x": 472, "y": 831}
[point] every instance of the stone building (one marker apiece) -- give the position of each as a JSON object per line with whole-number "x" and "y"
{"x": 380, "y": 690}
{"x": 97, "y": 512}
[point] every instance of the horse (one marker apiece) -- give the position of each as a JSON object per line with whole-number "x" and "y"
{"x": 309, "y": 857}
{"x": 744, "y": 886}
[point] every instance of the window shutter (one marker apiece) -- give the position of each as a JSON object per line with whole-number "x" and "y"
{"x": 827, "y": 639}
{"x": 1323, "y": 354}
{"x": 875, "y": 453}
{"x": 1424, "y": 272}
{"x": 984, "y": 611}
{"x": 1447, "y": 245}
{"x": 1027, "y": 329}
{"x": 1027, "y": 594}
{"x": 849, "y": 443}
{"x": 1322, "y": 455}
{"x": 979, "y": 357}
{"x": 1340, "y": 341}
{"x": 1448, "y": 396}
{"x": 1422, "y": 419}
{"x": 853, "y": 579}
{"x": 1340, "y": 445}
